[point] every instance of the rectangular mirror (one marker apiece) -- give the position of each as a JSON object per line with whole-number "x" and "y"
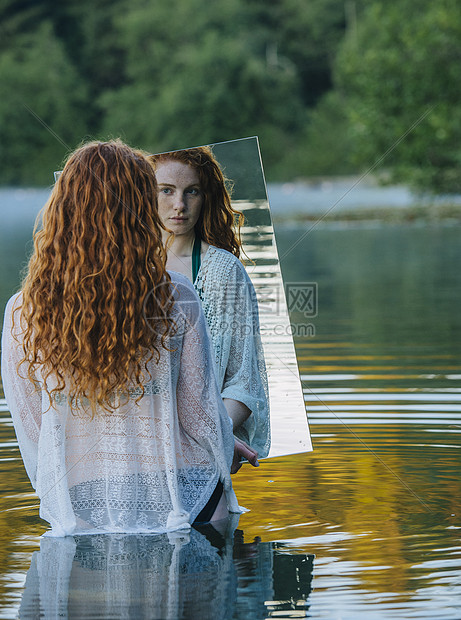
{"x": 241, "y": 162}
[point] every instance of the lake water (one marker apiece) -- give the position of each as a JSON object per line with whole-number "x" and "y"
{"x": 368, "y": 525}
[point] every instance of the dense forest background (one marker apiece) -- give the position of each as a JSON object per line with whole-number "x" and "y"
{"x": 330, "y": 86}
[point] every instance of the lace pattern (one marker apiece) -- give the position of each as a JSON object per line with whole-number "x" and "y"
{"x": 152, "y": 465}
{"x": 231, "y": 310}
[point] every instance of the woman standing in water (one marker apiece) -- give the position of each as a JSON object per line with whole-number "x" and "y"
{"x": 106, "y": 363}
{"x": 195, "y": 206}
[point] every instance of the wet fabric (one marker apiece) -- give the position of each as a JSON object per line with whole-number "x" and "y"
{"x": 152, "y": 464}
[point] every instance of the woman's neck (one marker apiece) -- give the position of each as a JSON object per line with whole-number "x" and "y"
{"x": 182, "y": 245}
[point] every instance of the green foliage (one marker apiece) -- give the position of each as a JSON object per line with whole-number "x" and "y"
{"x": 39, "y": 86}
{"x": 175, "y": 73}
{"x": 209, "y": 85}
{"x": 399, "y": 76}
{"x": 162, "y": 75}
{"x": 92, "y": 42}
{"x": 301, "y": 35}
{"x": 323, "y": 145}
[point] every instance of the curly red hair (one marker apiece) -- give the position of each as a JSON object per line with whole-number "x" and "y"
{"x": 219, "y": 223}
{"x": 96, "y": 274}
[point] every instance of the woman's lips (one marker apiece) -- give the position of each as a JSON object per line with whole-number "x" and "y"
{"x": 178, "y": 219}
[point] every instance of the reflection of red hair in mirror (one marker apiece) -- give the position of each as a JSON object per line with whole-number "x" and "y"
{"x": 219, "y": 224}
{"x": 97, "y": 277}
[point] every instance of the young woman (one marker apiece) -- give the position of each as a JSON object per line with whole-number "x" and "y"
{"x": 195, "y": 206}
{"x": 106, "y": 364}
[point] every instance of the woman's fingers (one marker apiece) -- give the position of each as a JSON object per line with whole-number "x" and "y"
{"x": 242, "y": 450}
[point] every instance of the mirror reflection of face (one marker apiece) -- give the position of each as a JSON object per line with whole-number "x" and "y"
{"x": 179, "y": 196}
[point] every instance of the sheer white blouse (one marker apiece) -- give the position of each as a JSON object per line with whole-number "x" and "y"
{"x": 150, "y": 466}
{"x": 231, "y": 309}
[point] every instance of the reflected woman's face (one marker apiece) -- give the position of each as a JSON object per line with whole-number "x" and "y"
{"x": 179, "y": 196}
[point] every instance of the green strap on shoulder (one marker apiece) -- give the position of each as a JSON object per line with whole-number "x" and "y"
{"x": 196, "y": 251}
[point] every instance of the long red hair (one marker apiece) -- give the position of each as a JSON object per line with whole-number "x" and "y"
{"x": 219, "y": 223}
{"x": 97, "y": 278}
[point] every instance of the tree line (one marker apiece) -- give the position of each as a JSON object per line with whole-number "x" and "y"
{"x": 329, "y": 86}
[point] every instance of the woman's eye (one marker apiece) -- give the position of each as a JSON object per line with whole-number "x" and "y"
{"x": 166, "y": 190}
{"x": 192, "y": 191}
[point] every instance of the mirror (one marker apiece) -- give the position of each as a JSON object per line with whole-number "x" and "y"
{"x": 241, "y": 163}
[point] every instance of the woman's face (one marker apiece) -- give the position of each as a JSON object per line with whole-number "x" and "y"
{"x": 179, "y": 196}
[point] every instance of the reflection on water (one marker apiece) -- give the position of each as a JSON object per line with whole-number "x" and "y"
{"x": 377, "y": 503}
{"x": 113, "y": 576}
{"x": 190, "y": 575}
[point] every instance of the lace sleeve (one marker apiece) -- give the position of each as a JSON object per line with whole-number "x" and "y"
{"x": 23, "y": 398}
{"x": 201, "y": 411}
{"x": 245, "y": 377}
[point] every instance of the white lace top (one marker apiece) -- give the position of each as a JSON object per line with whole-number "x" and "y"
{"x": 150, "y": 466}
{"x": 231, "y": 309}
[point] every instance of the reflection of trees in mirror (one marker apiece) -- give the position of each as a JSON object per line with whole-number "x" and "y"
{"x": 241, "y": 163}
{"x": 188, "y": 574}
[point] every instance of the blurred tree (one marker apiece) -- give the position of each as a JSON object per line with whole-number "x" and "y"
{"x": 204, "y": 82}
{"x": 323, "y": 145}
{"x": 35, "y": 73}
{"x": 301, "y": 35}
{"x": 91, "y": 41}
{"x": 306, "y": 37}
{"x": 168, "y": 74}
{"x": 399, "y": 77}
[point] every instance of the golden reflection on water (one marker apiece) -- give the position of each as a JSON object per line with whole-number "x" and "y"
{"x": 378, "y": 503}
{"x": 368, "y": 500}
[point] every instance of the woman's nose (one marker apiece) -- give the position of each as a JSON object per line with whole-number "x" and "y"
{"x": 179, "y": 202}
